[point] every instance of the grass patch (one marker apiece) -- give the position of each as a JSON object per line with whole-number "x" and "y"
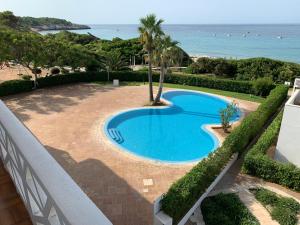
{"x": 283, "y": 210}
{"x": 242, "y": 96}
{"x": 226, "y": 209}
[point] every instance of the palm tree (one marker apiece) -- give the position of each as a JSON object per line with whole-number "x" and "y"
{"x": 165, "y": 54}
{"x": 113, "y": 61}
{"x": 150, "y": 28}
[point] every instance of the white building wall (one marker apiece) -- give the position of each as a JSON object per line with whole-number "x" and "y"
{"x": 288, "y": 145}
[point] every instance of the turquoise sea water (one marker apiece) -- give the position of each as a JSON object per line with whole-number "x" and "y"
{"x": 230, "y": 41}
{"x": 173, "y": 134}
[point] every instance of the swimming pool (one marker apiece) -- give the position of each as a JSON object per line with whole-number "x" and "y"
{"x": 173, "y": 134}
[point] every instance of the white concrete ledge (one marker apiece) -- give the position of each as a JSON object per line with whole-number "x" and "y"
{"x": 160, "y": 218}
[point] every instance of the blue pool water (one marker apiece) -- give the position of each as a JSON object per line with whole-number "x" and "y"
{"x": 171, "y": 134}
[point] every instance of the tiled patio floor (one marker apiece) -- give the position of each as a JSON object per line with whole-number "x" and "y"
{"x": 69, "y": 120}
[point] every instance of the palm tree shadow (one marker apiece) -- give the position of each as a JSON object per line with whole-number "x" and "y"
{"x": 120, "y": 202}
{"x": 51, "y": 100}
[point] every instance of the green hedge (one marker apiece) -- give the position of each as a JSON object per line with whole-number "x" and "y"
{"x": 183, "y": 194}
{"x": 15, "y": 86}
{"x": 192, "y": 80}
{"x": 246, "y": 69}
{"x": 284, "y": 210}
{"x": 215, "y": 83}
{"x": 90, "y": 77}
{"x": 12, "y": 87}
{"x": 226, "y": 209}
{"x": 258, "y": 164}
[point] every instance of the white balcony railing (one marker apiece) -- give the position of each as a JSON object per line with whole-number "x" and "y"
{"x": 49, "y": 193}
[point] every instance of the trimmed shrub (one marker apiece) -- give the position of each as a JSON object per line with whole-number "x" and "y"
{"x": 258, "y": 164}
{"x": 247, "y": 69}
{"x": 141, "y": 76}
{"x": 215, "y": 83}
{"x": 90, "y": 77}
{"x": 226, "y": 209}
{"x": 262, "y": 86}
{"x": 26, "y": 77}
{"x": 37, "y": 71}
{"x": 55, "y": 71}
{"x": 282, "y": 209}
{"x": 15, "y": 86}
{"x": 183, "y": 194}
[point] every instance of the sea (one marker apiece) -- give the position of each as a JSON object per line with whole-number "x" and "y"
{"x": 280, "y": 41}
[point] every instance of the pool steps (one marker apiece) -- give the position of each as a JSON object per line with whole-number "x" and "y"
{"x": 116, "y": 135}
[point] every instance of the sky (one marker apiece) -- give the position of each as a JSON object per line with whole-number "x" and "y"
{"x": 172, "y": 11}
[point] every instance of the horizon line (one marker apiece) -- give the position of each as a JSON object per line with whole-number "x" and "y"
{"x": 204, "y": 24}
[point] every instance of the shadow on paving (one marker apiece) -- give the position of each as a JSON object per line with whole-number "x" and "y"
{"x": 120, "y": 202}
{"x": 51, "y": 100}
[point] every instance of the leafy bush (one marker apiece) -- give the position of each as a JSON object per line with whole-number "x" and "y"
{"x": 26, "y": 77}
{"x": 55, "y": 71}
{"x": 258, "y": 164}
{"x": 284, "y": 216}
{"x": 142, "y": 76}
{"x": 264, "y": 196}
{"x": 15, "y": 86}
{"x": 183, "y": 194}
{"x": 282, "y": 209}
{"x": 224, "y": 68}
{"x": 215, "y": 83}
{"x": 226, "y": 209}
{"x": 37, "y": 71}
{"x": 247, "y": 69}
{"x": 262, "y": 86}
{"x": 227, "y": 114}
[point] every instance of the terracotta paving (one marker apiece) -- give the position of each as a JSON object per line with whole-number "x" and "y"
{"x": 69, "y": 120}
{"x": 12, "y": 209}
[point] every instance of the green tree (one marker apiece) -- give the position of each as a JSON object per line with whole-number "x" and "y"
{"x": 25, "y": 49}
{"x": 165, "y": 54}
{"x": 286, "y": 74}
{"x": 227, "y": 114}
{"x": 149, "y": 29}
{"x": 75, "y": 56}
{"x": 113, "y": 61}
{"x": 5, "y": 39}
{"x": 8, "y": 19}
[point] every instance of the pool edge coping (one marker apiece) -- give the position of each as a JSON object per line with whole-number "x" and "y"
{"x": 217, "y": 139}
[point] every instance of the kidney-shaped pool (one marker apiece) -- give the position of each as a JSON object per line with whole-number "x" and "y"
{"x": 173, "y": 134}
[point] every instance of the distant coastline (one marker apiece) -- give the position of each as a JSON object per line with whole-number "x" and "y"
{"x": 60, "y": 27}
{"x": 226, "y": 41}
{"x": 49, "y": 24}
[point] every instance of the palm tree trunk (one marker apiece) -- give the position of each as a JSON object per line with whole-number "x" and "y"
{"x": 161, "y": 84}
{"x": 150, "y": 77}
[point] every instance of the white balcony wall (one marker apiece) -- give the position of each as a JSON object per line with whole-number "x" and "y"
{"x": 48, "y": 192}
{"x": 288, "y": 145}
